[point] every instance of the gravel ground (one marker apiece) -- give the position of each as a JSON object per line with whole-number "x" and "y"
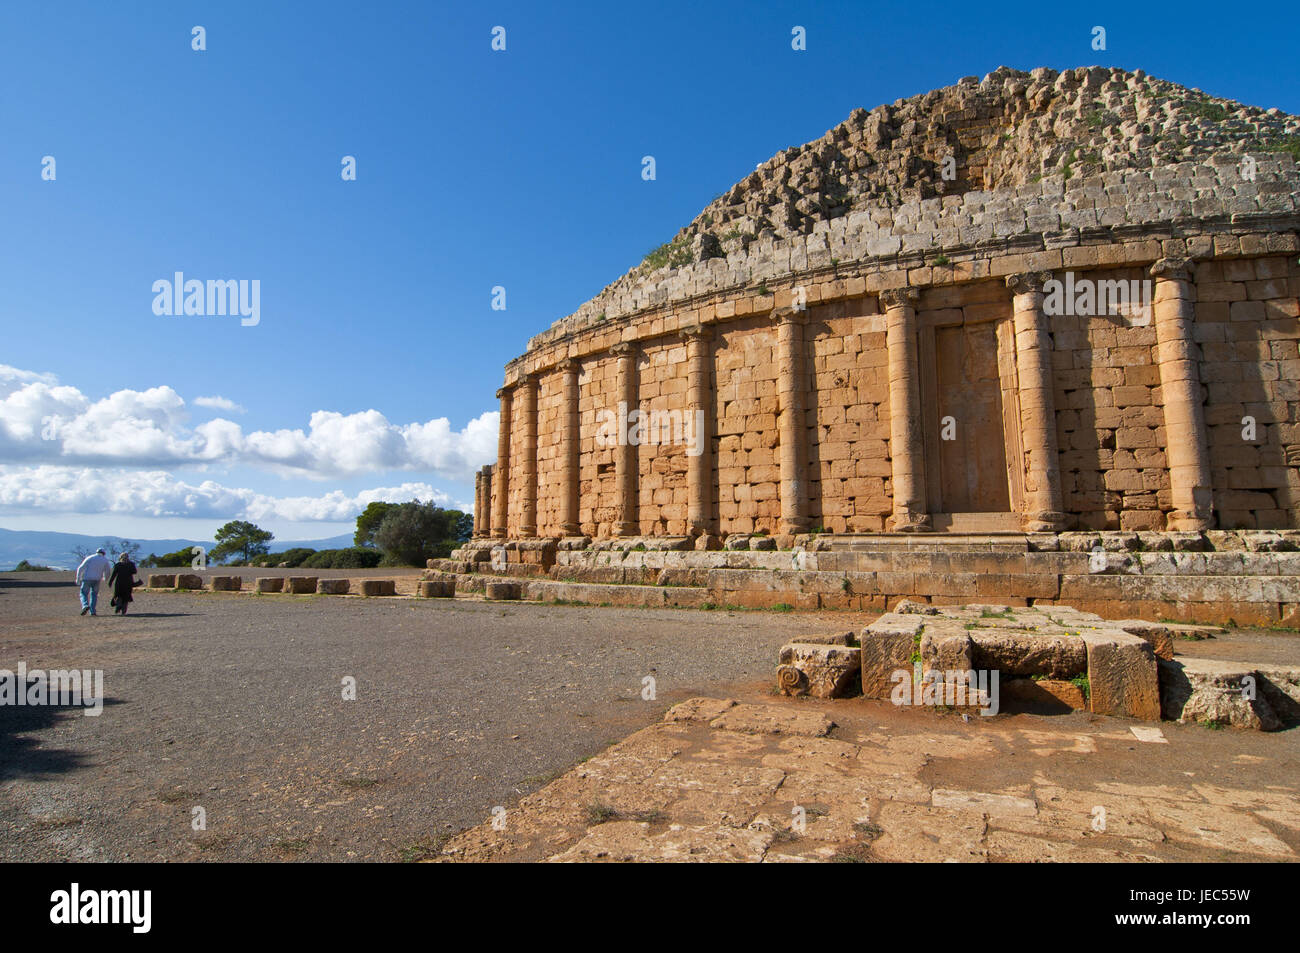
{"x": 233, "y": 703}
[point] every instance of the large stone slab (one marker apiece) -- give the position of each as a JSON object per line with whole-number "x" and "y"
{"x": 1028, "y": 653}
{"x": 162, "y": 581}
{"x": 227, "y": 583}
{"x": 1122, "y": 675}
{"x": 302, "y": 585}
{"x": 335, "y": 587}
{"x": 269, "y": 584}
{"x": 378, "y": 587}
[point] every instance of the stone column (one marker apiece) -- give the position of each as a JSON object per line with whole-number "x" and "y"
{"x": 907, "y": 457}
{"x": 792, "y": 424}
{"x": 699, "y": 468}
{"x": 478, "y": 504}
{"x": 1041, "y": 512}
{"x": 570, "y": 448}
{"x": 528, "y": 465}
{"x": 1186, "y": 443}
{"x": 501, "y": 492}
{"x": 627, "y": 463}
{"x": 486, "y": 473}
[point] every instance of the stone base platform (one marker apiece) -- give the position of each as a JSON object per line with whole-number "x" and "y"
{"x": 1249, "y": 577}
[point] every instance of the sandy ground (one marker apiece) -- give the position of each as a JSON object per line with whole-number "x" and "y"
{"x": 469, "y": 713}
{"x": 233, "y": 703}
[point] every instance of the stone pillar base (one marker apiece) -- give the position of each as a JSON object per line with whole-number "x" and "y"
{"x": 570, "y": 529}
{"x": 909, "y": 523}
{"x": 1184, "y": 522}
{"x": 627, "y": 529}
{"x": 706, "y": 541}
{"x": 1043, "y": 521}
{"x": 793, "y": 527}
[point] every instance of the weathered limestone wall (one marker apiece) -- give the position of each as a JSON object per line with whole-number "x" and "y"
{"x": 1231, "y": 323}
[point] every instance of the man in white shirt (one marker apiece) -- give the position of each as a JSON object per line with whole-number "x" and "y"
{"x": 92, "y": 570}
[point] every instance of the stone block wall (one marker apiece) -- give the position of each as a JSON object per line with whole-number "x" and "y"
{"x": 820, "y": 339}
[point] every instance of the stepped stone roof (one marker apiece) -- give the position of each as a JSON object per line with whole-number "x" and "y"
{"x": 1028, "y": 157}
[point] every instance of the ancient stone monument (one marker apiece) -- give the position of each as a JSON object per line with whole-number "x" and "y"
{"x": 1035, "y": 304}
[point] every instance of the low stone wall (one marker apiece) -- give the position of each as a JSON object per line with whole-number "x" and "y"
{"x": 1247, "y": 577}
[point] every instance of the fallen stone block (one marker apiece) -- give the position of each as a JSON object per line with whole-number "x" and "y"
{"x": 438, "y": 588}
{"x": 838, "y": 638}
{"x": 302, "y": 585}
{"x": 189, "y": 580}
{"x": 502, "y": 590}
{"x": 1161, "y": 635}
{"x": 227, "y": 583}
{"x": 823, "y": 671}
{"x": 1028, "y": 653}
{"x": 269, "y": 584}
{"x": 162, "y": 581}
{"x": 887, "y": 646}
{"x": 1218, "y": 691}
{"x": 1122, "y": 675}
{"x": 378, "y": 587}
{"x": 334, "y": 587}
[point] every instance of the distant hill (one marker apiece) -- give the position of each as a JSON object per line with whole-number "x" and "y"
{"x": 55, "y": 549}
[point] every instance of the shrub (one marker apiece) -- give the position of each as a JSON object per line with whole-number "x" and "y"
{"x": 355, "y": 557}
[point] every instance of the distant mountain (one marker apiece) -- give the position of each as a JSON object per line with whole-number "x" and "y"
{"x": 55, "y": 549}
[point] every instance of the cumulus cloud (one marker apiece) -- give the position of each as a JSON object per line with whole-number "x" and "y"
{"x": 44, "y": 422}
{"x": 219, "y": 403}
{"x": 85, "y": 490}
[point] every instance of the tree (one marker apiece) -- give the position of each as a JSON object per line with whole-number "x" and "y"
{"x": 368, "y": 522}
{"x": 412, "y": 532}
{"x": 242, "y": 538}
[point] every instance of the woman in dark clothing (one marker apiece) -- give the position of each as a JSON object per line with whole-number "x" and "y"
{"x": 121, "y": 580}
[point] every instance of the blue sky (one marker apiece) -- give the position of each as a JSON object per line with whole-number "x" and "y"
{"x": 475, "y": 169}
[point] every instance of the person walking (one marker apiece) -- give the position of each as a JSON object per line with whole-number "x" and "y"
{"x": 90, "y": 573}
{"x": 122, "y": 579}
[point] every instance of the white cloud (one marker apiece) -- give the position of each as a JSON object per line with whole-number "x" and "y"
{"x": 43, "y": 422}
{"x": 219, "y": 403}
{"x": 156, "y": 493}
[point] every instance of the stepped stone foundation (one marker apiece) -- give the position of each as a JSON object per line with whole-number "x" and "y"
{"x": 1247, "y": 576}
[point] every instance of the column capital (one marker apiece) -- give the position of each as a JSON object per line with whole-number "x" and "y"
{"x": 623, "y": 349}
{"x": 899, "y": 297}
{"x": 698, "y": 332}
{"x": 504, "y": 391}
{"x": 1028, "y": 282}
{"x": 1175, "y": 269}
{"x": 569, "y": 365}
{"x": 788, "y": 315}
